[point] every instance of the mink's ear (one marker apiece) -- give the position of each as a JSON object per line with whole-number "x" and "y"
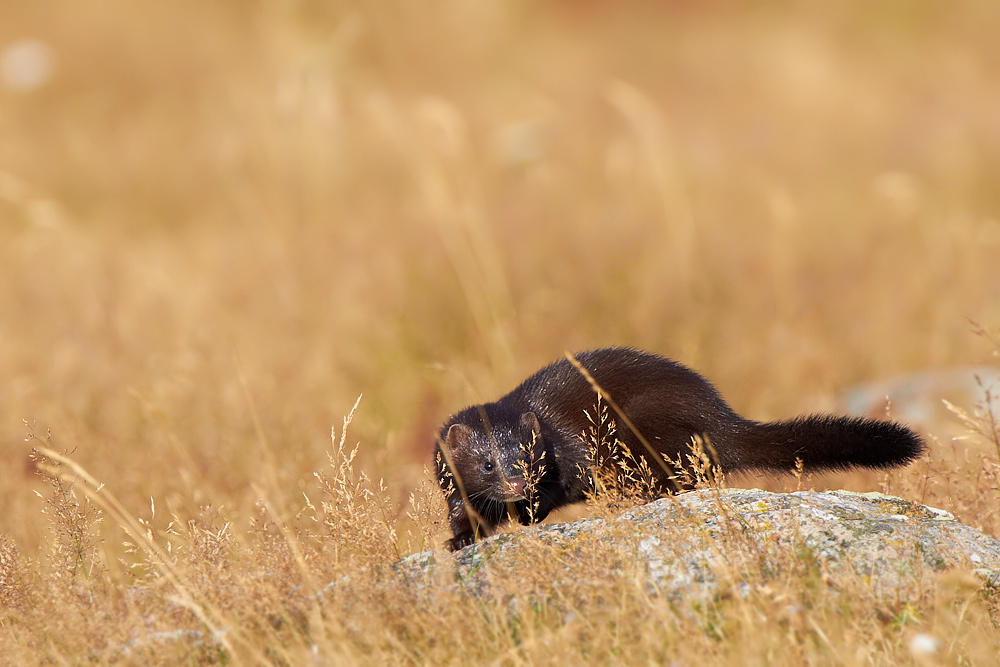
{"x": 530, "y": 422}
{"x": 458, "y": 439}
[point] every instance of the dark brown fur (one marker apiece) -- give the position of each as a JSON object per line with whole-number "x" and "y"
{"x": 490, "y": 457}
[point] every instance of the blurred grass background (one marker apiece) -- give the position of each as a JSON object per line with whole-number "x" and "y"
{"x": 222, "y": 222}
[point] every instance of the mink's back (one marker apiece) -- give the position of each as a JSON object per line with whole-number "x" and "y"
{"x": 667, "y": 403}
{"x": 640, "y": 383}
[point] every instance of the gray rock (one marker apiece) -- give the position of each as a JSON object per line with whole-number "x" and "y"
{"x": 915, "y": 398}
{"x": 685, "y": 544}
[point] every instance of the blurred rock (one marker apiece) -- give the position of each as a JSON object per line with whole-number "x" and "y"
{"x": 916, "y": 398}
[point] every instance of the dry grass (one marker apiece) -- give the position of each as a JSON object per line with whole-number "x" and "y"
{"x": 222, "y": 222}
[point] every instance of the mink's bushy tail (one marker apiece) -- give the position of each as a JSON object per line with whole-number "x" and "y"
{"x": 824, "y": 442}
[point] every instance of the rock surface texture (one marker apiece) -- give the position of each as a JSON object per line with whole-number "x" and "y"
{"x": 685, "y": 544}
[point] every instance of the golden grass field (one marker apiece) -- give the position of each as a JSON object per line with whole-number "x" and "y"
{"x": 221, "y": 223}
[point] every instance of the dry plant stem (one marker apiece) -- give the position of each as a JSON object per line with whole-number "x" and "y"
{"x": 291, "y": 539}
{"x": 69, "y": 517}
{"x": 352, "y": 497}
{"x": 983, "y": 422}
{"x": 474, "y": 516}
{"x": 270, "y": 465}
{"x": 187, "y": 597}
{"x": 992, "y": 418}
{"x": 531, "y": 472}
{"x": 614, "y": 406}
{"x": 178, "y": 446}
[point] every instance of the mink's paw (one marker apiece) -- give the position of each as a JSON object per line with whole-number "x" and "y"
{"x": 461, "y": 540}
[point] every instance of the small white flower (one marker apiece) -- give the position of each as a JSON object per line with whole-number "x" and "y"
{"x": 924, "y": 644}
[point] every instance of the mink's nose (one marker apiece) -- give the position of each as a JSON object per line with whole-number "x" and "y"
{"x": 516, "y": 485}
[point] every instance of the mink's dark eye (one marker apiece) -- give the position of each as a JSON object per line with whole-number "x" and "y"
{"x": 488, "y": 466}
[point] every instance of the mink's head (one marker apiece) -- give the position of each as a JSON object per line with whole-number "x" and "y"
{"x": 490, "y": 451}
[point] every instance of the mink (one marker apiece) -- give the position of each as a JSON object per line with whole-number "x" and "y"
{"x": 527, "y": 454}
